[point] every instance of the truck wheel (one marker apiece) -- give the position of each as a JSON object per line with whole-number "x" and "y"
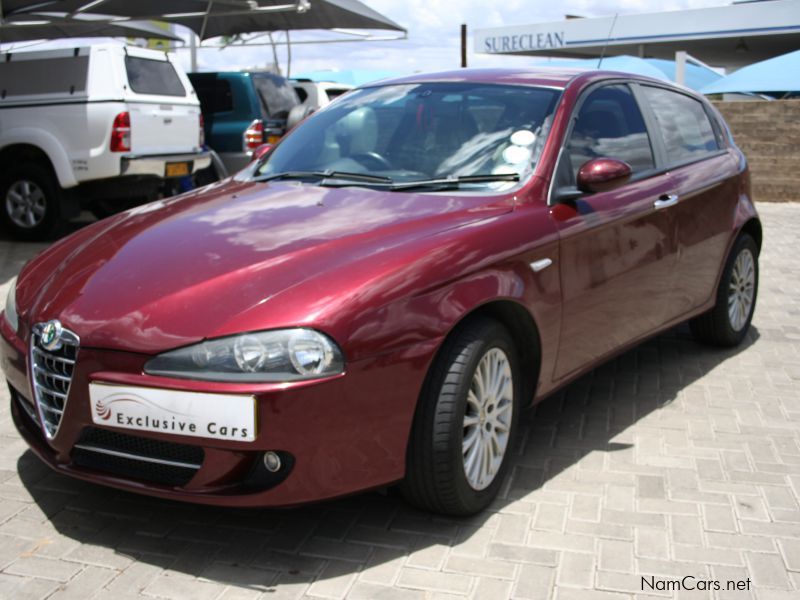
{"x": 31, "y": 202}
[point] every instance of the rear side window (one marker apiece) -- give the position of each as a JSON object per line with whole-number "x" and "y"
{"x": 684, "y": 125}
{"x": 148, "y": 76}
{"x": 335, "y": 92}
{"x": 277, "y": 96}
{"x": 609, "y": 124}
{"x": 301, "y": 93}
{"x": 214, "y": 94}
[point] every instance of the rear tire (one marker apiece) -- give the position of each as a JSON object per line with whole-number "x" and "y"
{"x": 460, "y": 443}
{"x": 30, "y": 202}
{"x": 727, "y": 323}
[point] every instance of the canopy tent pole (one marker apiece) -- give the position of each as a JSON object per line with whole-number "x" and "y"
{"x": 193, "y": 52}
{"x": 288, "y": 55}
{"x": 205, "y": 20}
{"x": 275, "y": 60}
{"x": 680, "y": 67}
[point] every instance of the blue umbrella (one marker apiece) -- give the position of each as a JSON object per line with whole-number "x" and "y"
{"x": 779, "y": 74}
{"x": 623, "y": 64}
{"x": 697, "y": 77}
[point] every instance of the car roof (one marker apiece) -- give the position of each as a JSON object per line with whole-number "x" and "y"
{"x": 554, "y": 77}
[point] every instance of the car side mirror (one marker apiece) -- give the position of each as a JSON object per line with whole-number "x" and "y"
{"x": 603, "y": 174}
{"x": 260, "y": 152}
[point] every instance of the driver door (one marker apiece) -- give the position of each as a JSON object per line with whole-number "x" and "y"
{"x": 618, "y": 248}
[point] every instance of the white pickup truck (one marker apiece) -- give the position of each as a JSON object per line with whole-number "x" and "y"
{"x": 100, "y": 127}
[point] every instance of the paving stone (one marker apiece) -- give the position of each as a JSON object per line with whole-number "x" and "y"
{"x": 535, "y": 582}
{"x": 434, "y": 581}
{"x": 523, "y": 554}
{"x": 576, "y": 569}
{"x": 88, "y": 582}
{"x": 383, "y": 567}
{"x": 489, "y": 588}
{"x": 370, "y": 591}
{"x": 482, "y": 567}
{"x": 790, "y": 550}
{"x": 651, "y": 543}
{"x": 44, "y": 568}
{"x": 767, "y": 570}
{"x": 334, "y": 581}
{"x": 181, "y": 587}
{"x": 718, "y": 518}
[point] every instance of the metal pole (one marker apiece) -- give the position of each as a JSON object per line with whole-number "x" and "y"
{"x": 288, "y": 55}
{"x": 193, "y": 52}
{"x": 680, "y": 67}
{"x": 205, "y": 20}
{"x": 463, "y": 45}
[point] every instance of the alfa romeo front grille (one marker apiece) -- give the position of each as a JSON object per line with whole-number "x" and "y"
{"x": 53, "y": 354}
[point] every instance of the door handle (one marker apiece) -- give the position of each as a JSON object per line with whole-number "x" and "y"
{"x": 665, "y": 201}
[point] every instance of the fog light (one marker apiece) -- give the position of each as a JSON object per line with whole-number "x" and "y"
{"x": 272, "y": 462}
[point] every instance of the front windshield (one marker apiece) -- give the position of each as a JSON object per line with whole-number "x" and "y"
{"x": 422, "y": 131}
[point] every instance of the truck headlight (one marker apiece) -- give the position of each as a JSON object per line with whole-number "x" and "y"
{"x": 11, "y": 305}
{"x": 267, "y": 356}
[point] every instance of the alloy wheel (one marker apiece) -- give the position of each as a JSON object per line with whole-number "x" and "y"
{"x": 741, "y": 289}
{"x": 26, "y": 204}
{"x": 487, "y": 419}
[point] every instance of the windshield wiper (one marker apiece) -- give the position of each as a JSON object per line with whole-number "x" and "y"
{"x": 454, "y": 182}
{"x": 328, "y": 174}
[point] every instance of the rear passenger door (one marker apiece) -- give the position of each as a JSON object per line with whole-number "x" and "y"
{"x": 704, "y": 175}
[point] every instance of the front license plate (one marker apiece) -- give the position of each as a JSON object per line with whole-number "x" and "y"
{"x": 212, "y": 416}
{"x": 177, "y": 169}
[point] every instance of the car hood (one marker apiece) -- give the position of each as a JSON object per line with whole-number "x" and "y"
{"x": 174, "y": 272}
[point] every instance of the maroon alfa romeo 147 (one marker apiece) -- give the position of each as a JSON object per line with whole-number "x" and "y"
{"x": 377, "y": 299}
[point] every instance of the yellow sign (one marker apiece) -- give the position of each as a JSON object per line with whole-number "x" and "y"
{"x": 161, "y": 44}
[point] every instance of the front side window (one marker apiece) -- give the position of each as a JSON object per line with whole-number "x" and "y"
{"x": 609, "y": 124}
{"x": 683, "y": 123}
{"x": 148, "y": 76}
{"x": 418, "y": 131}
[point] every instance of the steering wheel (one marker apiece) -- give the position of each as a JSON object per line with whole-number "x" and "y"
{"x": 372, "y": 160}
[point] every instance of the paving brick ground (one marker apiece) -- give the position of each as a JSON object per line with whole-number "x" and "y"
{"x": 674, "y": 460}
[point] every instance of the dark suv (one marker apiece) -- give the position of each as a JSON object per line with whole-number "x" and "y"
{"x": 243, "y": 110}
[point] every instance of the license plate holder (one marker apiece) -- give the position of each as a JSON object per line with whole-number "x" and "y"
{"x": 174, "y": 412}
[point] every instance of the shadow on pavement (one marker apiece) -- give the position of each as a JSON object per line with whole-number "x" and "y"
{"x": 268, "y": 550}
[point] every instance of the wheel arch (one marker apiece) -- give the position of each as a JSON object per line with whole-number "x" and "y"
{"x": 753, "y": 228}
{"x": 22, "y": 152}
{"x": 523, "y": 330}
{"x": 42, "y": 145}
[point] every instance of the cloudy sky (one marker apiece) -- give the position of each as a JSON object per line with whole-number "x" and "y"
{"x": 433, "y": 34}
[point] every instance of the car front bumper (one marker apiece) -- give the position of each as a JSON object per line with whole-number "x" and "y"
{"x": 335, "y": 437}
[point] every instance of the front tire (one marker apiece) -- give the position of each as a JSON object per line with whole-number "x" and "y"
{"x": 30, "y": 202}
{"x": 727, "y": 323}
{"x": 460, "y": 444}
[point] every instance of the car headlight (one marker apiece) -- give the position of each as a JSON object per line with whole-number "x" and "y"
{"x": 267, "y": 356}
{"x": 11, "y": 305}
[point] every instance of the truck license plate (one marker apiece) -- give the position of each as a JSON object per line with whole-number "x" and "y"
{"x": 177, "y": 169}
